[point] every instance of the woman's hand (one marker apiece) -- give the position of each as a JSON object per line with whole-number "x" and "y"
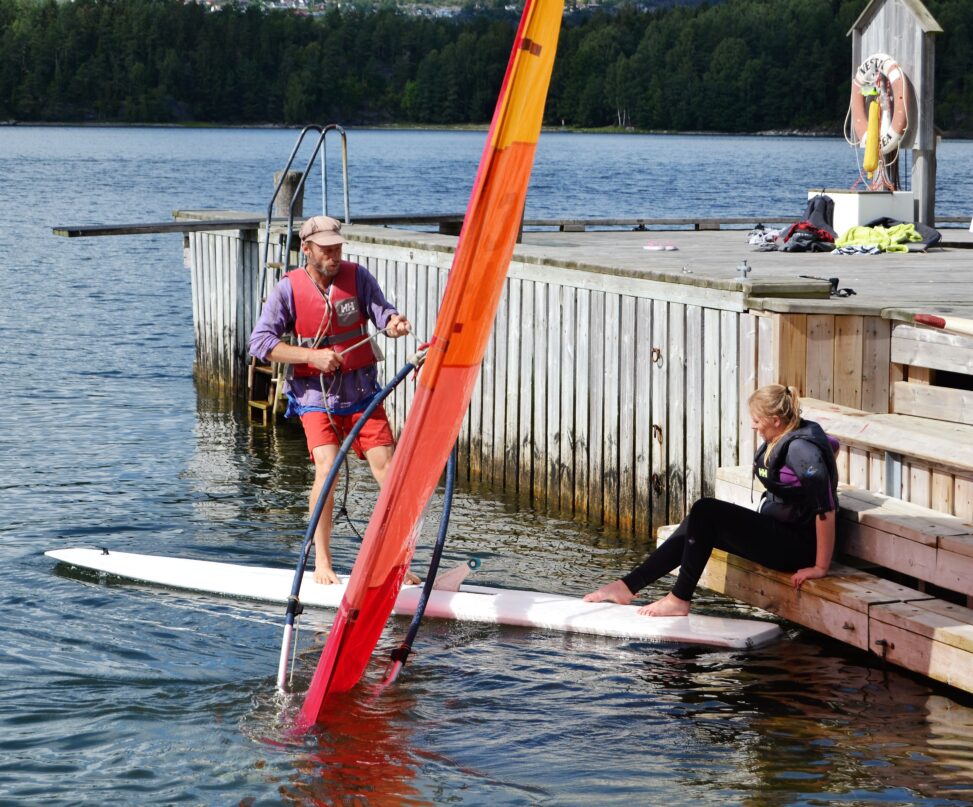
{"x": 810, "y": 573}
{"x": 824, "y": 539}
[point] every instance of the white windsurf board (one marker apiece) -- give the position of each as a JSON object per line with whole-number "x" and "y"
{"x": 471, "y": 603}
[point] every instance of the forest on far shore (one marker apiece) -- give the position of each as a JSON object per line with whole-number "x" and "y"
{"x": 737, "y": 66}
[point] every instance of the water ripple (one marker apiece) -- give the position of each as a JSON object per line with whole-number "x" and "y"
{"x": 128, "y": 694}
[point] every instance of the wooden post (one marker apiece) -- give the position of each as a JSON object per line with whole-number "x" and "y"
{"x": 282, "y": 204}
{"x": 924, "y": 185}
{"x": 924, "y": 148}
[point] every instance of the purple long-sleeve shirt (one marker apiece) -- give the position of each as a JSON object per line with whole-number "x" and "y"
{"x": 343, "y": 392}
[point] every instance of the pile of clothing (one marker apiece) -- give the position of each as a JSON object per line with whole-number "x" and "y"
{"x": 813, "y": 233}
{"x": 763, "y": 237}
{"x": 887, "y": 235}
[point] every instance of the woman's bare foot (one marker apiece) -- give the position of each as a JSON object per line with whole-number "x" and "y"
{"x": 670, "y": 605}
{"x": 615, "y": 591}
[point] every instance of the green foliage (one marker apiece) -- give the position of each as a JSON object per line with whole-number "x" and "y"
{"x": 739, "y": 65}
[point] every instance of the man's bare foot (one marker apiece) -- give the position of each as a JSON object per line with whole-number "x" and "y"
{"x": 412, "y": 579}
{"x": 670, "y": 605}
{"x": 615, "y": 591}
{"x": 325, "y": 576}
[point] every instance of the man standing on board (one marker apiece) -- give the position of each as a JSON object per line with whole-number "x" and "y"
{"x": 333, "y": 377}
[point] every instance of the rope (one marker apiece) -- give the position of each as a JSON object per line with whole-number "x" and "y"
{"x": 343, "y": 509}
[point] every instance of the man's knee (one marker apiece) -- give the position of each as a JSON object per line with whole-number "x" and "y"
{"x": 379, "y": 459}
{"x": 323, "y": 458}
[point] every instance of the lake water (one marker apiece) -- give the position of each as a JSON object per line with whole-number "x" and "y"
{"x": 122, "y": 694}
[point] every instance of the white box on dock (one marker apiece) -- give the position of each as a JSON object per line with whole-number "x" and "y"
{"x": 852, "y": 208}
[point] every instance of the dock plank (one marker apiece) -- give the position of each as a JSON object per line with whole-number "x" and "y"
{"x": 643, "y": 418}
{"x": 525, "y": 412}
{"x": 596, "y": 409}
{"x": 609, "y": 385}
{"x": 626, "y": 414}
{"x": 931, "y": 401}
{"x": 837, "y": 605}
{"x": 538, "y": 377}
{"x": 581, "y": 404}
{"x": 552, "y": 367}
{"x": 676, "y": 419}
{"x": 931, "y": 637}
{"x": 694, "y": 405}
{"x": 660, "y": 375}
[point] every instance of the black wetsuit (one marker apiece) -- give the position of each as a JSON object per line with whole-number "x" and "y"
{"x": 801, "y": 481}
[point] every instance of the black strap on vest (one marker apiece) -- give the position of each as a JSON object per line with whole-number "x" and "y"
{"x": 328, "y": 341}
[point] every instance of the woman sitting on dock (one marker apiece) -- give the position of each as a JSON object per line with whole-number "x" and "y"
{"x": 793, "y": 530}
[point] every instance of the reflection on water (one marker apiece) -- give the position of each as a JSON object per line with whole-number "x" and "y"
{"x": 833, "y": 727}
{"x": 364, "y": 756}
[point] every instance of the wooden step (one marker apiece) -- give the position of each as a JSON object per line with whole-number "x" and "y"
{"x": 931, "y": 348}
{"x": 938, "y": 442}
{"x": 931, "y": 546}
{"x": 932, "y": 401}
{"x": 931, "y": 637}
{"x": 837, "y": 605}
{"x": 904, "y": 626}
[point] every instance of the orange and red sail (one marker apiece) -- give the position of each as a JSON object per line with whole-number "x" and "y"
{"x": 452, "y": 365}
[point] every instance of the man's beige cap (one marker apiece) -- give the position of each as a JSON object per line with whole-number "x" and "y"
{"x": 323, "y": 231}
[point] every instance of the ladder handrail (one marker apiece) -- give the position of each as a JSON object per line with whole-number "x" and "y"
{"x": 265, "y": 275}
{"x": 319, "y": 146}
{"x": 270, "y": 206}
{"x": 322, "y": 134}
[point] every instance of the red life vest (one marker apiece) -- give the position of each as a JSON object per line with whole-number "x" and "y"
{"x": 338, "y": 321}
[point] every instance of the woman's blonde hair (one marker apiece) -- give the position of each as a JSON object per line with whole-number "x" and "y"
{"x": 776, "y": 400}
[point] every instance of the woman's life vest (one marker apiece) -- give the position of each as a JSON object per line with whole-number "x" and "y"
{"x": 331, "y": 319}
{"x": 801, "y": 476}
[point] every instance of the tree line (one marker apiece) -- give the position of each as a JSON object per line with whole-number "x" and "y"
{"x": 738, "y": 66}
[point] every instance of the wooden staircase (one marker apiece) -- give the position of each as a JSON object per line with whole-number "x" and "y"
{"x": 265, "y": 384}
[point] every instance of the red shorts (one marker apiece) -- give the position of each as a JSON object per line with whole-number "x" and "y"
{"x": 319, "y": 431}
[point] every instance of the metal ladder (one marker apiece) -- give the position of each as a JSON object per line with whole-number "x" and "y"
{"x": 265, "y": 381}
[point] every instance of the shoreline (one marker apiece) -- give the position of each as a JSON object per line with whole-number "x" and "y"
{"x": 469, "y": 127}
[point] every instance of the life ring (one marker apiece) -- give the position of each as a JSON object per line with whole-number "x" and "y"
{"x": 883, "y": 73}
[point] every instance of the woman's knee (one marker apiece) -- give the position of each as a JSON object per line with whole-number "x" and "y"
{"x": 703, "y": 513}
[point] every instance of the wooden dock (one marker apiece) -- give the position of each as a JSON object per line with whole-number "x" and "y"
{"x": 612, "y": 388}
{"x": 615, "y": 388}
